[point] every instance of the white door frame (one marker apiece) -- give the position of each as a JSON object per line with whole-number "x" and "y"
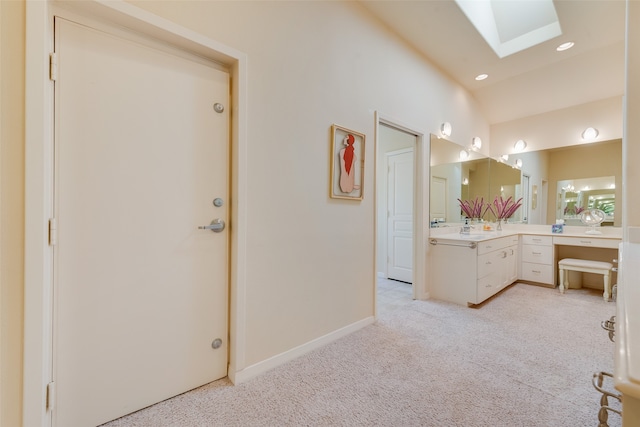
{"x": 421, "y": 170}
{"x": 39, "y": 110}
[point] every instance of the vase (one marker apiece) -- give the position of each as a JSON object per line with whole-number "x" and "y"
{"x": 499, "y": 227}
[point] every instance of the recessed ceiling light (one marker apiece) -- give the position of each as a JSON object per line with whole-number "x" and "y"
{"x": 565, "y": 46}
{"x": 481, "y": 76}
{"x": 476, "y": 143}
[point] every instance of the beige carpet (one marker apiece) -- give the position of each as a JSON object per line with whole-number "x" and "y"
{"x": 525, "y": 358}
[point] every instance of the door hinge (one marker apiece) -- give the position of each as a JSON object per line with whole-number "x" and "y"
{"x": 53, "y": 66}
{"x": 53, "y": 231}
{"x": 50, "y": 399}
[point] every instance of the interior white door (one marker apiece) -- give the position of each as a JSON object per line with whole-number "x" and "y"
{"x": 140, "y": 292}
{"x": 438, "y": 200}
{"x": 400, "y": 216}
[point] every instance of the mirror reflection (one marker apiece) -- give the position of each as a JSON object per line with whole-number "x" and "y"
{"x": 577, "y": 195}
{"x": 538, "y": 181}
{"x": 460, "y": 173}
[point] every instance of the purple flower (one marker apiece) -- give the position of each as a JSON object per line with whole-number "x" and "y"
{"x": 472, "y": 210}
{"x": 503, "y": 209}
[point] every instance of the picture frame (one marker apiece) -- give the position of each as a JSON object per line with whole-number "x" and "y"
{"x": 347, "y": 164}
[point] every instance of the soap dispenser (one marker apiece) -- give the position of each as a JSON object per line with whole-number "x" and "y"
{"x": 466, "y": 228}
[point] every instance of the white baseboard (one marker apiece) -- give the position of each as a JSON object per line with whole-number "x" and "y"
{"x": 262, "y": 367}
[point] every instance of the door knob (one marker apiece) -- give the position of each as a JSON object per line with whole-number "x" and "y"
{"x": 217, "y": 225}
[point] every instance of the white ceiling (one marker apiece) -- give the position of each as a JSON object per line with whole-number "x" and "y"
{"x": 534, "y": 81}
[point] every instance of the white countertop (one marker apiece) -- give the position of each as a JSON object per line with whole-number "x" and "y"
{"x": 478, "y": 235}
{"x": 627, "y": 359}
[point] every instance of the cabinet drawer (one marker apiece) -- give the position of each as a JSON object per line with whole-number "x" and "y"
{"x": 541, "y": 273}
{"x": 495, "y": 244}
{"x": 587, "y": 241}
{"x": 487, "y": 286}
{"x": 537, "y": 254}
{"x": 488, "y": 263}
{"x": 531, "y": 239}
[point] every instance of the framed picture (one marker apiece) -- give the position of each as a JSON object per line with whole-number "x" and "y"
{"x": 347, "y": 163}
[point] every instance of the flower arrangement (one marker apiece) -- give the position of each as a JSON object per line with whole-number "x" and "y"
{"x": 573, "y": 210}
{"x": 472, "y": 210}
{"x": 503, "y": 209}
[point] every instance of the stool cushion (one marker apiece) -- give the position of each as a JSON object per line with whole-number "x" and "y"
{"x": 583, "y": 263}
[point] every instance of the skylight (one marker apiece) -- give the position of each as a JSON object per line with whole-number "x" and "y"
{"x": 510, "y": 26}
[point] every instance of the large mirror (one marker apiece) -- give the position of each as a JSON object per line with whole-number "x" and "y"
{"x": 539, "y": 181}
{"x": 461, "y": 173}
{"x": 577, "y": 195}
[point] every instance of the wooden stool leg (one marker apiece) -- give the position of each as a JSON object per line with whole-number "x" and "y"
{"x": 607, "y": 285}
{"x": 561, "y": 280}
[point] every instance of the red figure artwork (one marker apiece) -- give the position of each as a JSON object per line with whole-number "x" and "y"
{"x": 347, "y": 162}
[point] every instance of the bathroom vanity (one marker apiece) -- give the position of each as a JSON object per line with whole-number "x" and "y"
{"x": 470, "y": 268}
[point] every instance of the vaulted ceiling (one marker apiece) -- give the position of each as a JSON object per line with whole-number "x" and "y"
{"x": 530, "y": 82}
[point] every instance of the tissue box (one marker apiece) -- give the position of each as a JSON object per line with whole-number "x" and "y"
{"x": 557, "y": 228}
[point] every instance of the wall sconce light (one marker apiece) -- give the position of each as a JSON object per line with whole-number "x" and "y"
{"x": 504, "y": 157}
{"x": 464, "y": 155}
{"x": 518, "y": 163}
{"x": 445, "y": 129}
{"x": 476, "y": 143}
{"x": 590, "y": 134}
{"x": 465, "y": 181}
{"x": 520, "y": 145}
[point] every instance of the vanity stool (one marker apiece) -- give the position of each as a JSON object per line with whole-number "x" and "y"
{"x": 585, "y": 266}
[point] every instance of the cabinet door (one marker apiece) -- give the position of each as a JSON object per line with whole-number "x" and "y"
{"x": 512, "y": 264}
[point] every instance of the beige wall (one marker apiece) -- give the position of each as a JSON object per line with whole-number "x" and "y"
{"x": 631, "y": 147}
{"x": 11, "y": 209}
{"x": 310, "y": 259}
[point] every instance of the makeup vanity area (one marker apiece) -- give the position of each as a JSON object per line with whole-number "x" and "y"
{"x": 471, "y": 268}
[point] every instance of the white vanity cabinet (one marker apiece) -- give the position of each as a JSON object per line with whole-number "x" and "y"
{"x": 466, "y": 272}
{"x": 537, "y": 259}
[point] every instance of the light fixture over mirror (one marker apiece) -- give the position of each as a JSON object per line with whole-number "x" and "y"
{"x": 464, "y": 155}
{"x": 445, "y": 129}
{"x": 504, "y": 158}
{"x": 520, "y": 145}
{"x": 590, "y": 134}
{"x": 518, "y": 163}
{"x": 476, "y": 143}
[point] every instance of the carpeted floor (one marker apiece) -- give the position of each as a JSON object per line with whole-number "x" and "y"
{"x": 525, "y": 358}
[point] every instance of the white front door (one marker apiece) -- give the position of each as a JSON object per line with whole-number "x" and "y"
{"x": 140, "y": 293}
{"x": 400, "y": 215}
